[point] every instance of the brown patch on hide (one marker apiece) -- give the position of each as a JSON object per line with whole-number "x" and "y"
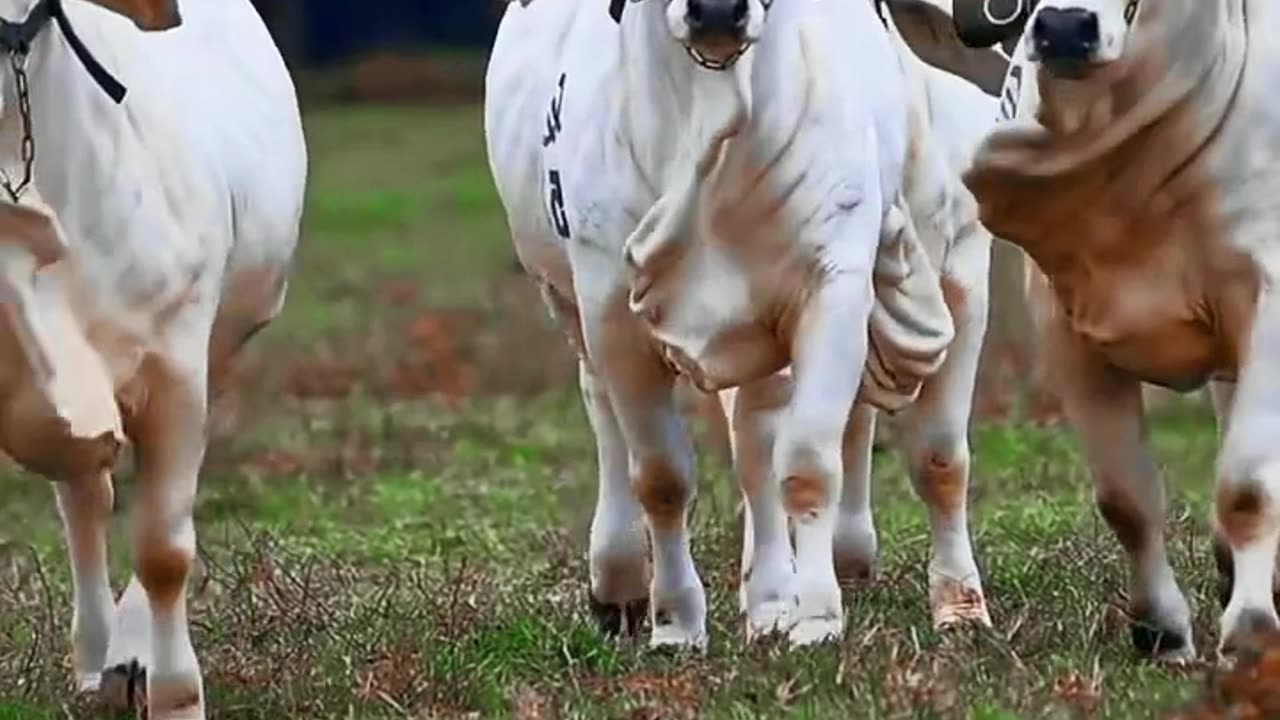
{"x": 162, "y": 568}
{"x": 662, "y": 491}
{"x": 1125, "y": 520}
{"x": 1239, "y": 513}
{"x": 804, "y": 495}
{"x": 943, "y": 481}
{"x": 152, "y": 15}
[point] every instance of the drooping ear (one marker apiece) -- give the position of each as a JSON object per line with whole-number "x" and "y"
{"x": 933, "y": 36}
{"x": 34, "y": 229}
{"x": 146, "y": 14}
{"x": 973, "y": 20}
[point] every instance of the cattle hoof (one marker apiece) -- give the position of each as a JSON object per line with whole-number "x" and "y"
{"x": 954, "y": 604}
{"x": 1225, "y": 564}
{"x": 175, "y": 699}
{"x": 768, "y": 619}
{"x": 675, "y": 638}
{"x": 1161, "y": 643}
{"x": 614, "y": 619}
{"x": 123, "y": 688}
{"x": 854, "y": 572}
{"x": 816, "y": 631}
{"x": 1250, "y": 631}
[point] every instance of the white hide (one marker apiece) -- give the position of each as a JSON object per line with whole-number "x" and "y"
{"x": 179, "y": 212}
{"x": 729, "y": 225}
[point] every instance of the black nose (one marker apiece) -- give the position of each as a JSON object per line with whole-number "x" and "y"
{"x": 1066, "y": 34}
{"x": 716, "y": 17}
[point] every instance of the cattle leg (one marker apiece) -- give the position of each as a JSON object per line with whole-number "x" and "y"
{"x": 660, "y": 464}
{"x": 768, "y": 590}
{"x": 827, "y": 362}
{"x": 169, "y": 437}
{"x": 85, "y": 505}
{"x": 618, "y": 556}
{"x": 855, "y": 535}
{"x": 1105, "y": 407}
{"x": 937, "y": 450}
{"x": 1247, "y": 501}
{"x": 124, "y": 677}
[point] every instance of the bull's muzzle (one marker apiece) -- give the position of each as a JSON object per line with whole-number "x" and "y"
{"x": 1066, "y": 40}
{"x": 713, "y": 20}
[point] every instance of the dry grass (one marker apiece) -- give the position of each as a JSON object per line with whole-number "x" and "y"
{"x": 393, "y": 517}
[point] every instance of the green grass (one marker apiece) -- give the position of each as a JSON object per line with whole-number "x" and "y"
{"x": 393, "y": 518}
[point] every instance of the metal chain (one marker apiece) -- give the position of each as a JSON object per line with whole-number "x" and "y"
{"x": 18, "y": 61}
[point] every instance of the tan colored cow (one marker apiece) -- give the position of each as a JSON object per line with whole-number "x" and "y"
{"x": 1141, "y": 174}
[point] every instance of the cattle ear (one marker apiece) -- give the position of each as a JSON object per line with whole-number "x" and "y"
{"x": 34, "y": 229}
{"x": 974, "y": 26}
{"x": 934, "y": 38}
{"x": 146, "y": 14}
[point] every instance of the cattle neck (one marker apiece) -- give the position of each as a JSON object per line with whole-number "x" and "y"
{"x": 17, "y": 40}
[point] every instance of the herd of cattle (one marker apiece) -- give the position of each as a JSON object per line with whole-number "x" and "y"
{"x": 790, "y": 204}
{"x": 787, "y": 203}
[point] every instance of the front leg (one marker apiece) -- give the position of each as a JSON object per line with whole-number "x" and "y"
{"x": 169, "y": 437}
{"x": 641, "y": 391}
{"x": 1105, "y": 407}
{"x": 1247, "y": 500}
{"x": 830, "y": 346}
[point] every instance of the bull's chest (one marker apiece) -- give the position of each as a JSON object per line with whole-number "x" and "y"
{"x": 1152, "y": 318}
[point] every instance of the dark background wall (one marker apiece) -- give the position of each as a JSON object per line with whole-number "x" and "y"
{"x": 315, "y": 32}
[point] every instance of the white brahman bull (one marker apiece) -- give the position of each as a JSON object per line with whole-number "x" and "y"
{"x": 708, "y": 187}
{"x": 1141, "y": 173}
{"x": 154, "y": 237}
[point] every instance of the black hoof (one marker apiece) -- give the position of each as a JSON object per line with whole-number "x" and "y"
{"x": 613, "y": 619}
{"x": 854, "y": 574}
{"x": 1152, "y": 640}
{"x": 1226, "y": 570}
{"x": 124, "y": 687}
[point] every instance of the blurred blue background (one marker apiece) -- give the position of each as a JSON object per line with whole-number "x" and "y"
{"x": 319, "y": 32}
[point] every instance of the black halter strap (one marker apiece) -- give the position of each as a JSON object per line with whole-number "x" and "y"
{"x": 615, "y": 9}
{"x": 17, "y": 37}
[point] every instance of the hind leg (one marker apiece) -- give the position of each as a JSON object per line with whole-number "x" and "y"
{"x": 855, "y": 534}
{"x": 618, "y": 547}
{"x": 767, "y": 593}
{"x": 85, "y": 505}
{"x": 937, "y": 449}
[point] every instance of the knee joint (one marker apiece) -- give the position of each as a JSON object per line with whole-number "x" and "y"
{"x": 162, "y": 567}
{"x": 807, "y": 479}
{"x": 1124, "y": 517}
{"x": 942, "y": 475}
{"x": 1244, "y": 501}
{"x": 662, "y": 491}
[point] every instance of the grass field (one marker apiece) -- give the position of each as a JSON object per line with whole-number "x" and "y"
{"x": 393, "y": 517}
